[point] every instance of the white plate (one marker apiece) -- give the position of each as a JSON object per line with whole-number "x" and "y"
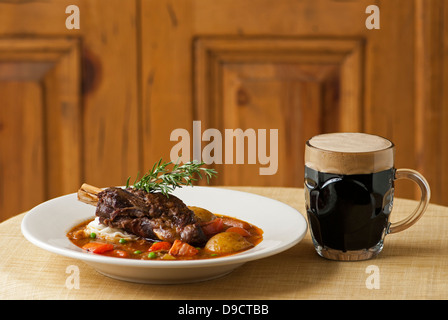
{"x": 47, "y": 224}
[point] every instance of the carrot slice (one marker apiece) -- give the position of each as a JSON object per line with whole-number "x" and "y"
{"x": 239, "y": 230}
{"x": 120, "y": 253}
{"x": 213, "y": 227}
{"x": 98, "y": 247}
{"x": 161, "y": 245}
{"x": 235, "y": 223}
{"x": 182, "y": 249}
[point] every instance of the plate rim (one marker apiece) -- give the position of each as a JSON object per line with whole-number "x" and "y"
{"x": 237, "y": 258}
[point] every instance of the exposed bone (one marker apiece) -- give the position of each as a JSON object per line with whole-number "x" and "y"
{"x": 88, "y": 194}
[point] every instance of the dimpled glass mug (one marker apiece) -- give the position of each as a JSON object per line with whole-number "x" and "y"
{"x": 349, "y": 190}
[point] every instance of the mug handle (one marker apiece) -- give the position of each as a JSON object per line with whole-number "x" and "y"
{"x": 424, "y": 200}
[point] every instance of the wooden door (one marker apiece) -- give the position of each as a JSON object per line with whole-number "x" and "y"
{"x": 302, "y": 67}
{"x": 68, "y": 99}
{"x": 99, "y": 103}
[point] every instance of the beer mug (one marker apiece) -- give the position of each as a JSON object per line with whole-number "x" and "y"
{"x": 349, "y": 192}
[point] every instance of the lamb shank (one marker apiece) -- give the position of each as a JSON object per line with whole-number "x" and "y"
{"x": 150, "y": 215}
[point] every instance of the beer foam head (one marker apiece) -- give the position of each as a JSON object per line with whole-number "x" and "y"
{"x": 349, "y": 153}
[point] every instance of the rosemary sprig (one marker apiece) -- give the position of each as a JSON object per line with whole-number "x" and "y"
{"x": 161, "y": 179}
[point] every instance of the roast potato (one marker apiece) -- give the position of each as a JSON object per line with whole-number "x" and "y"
{"x": 202, "y": 215}
{"x": 227, "y": 242}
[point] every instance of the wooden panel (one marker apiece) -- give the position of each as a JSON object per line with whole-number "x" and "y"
{"x": 142, "y": 71}
{"x": 431, "y": 134}
{"x": 379, "y": 75}
{"x": 22, "y": 167}
{"x": 96, "y": 69}
{"x": 389, "y": 85}
{"x": 111, "y": 102}
{"x": 166, "y": 75}
{"x": 284, "y": 102}
{"x": 41, "y": 124}
{"x": 300, "y": 87}
{"x": 109, "y": 38}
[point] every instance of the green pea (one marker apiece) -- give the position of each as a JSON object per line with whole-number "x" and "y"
{"x": 137, "y": 252}
{"x": 152, "y": 255}
{"x": 122, "y": 241}
{"x": 93, "y": 235}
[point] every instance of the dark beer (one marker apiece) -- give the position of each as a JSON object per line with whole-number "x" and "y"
{"x": 349, "y": 183}
{"x": 349, "y": 212}
{"x": 349, "y": 190}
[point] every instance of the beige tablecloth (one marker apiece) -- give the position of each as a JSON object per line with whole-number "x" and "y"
{"x": 413, "y": 265}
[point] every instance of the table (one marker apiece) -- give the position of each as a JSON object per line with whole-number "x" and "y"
{"x": 413, "y": 265}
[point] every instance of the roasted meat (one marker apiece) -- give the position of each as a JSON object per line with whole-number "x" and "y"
{"x": 152, "y": 216}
